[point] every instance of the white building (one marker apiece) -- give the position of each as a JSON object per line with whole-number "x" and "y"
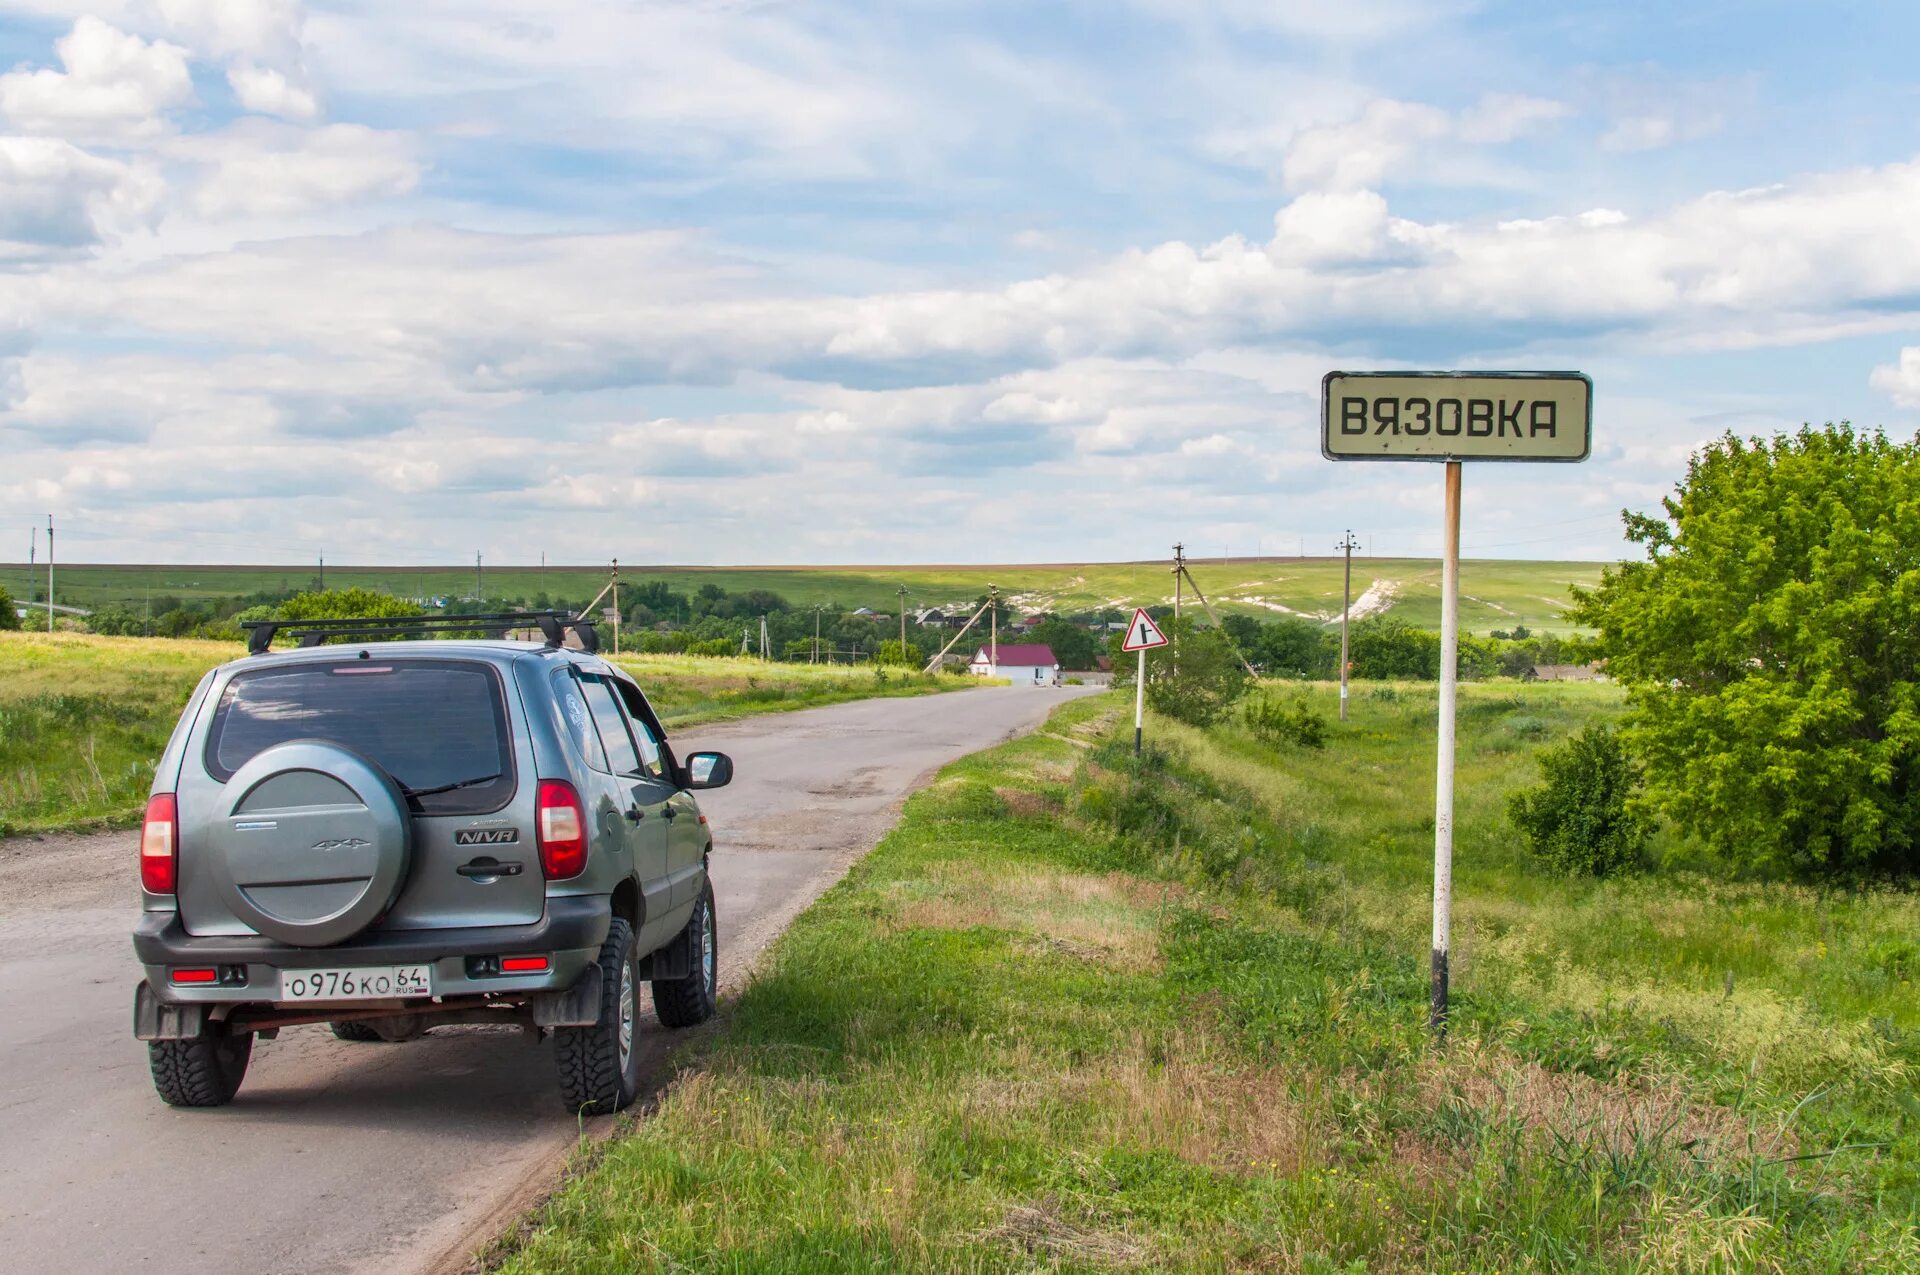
{"x": 1021, "y": 665}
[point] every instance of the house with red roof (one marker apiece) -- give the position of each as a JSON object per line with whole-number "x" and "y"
{"x": 1023, "y": 665}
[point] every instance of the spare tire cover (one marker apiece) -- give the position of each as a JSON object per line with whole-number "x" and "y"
{"x": 314, "y": 843}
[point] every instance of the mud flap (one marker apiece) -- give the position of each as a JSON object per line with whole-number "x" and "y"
{"x": 675, "y": 960}
{"x": 577, "y": 1006}
{"x": 155, "y": 1019}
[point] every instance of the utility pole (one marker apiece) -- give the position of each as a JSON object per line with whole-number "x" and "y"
{"x": 33, "y": 560}
{"x": 478, "y": 591}
{"x": 814, "y": 658}
{"x": 993, "y": 640}
{"x": 903, "y": 623}
{"x": 765, "y": 646}
{"x": 1346, "y": 610}
{"x": 49, "y": 573}
{"x": 323, "y": 573}
{"x": 1179, "y": 574}
{"x": 616, "y": 606}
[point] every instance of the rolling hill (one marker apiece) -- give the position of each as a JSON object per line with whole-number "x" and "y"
{"x": 1496, "y": 593}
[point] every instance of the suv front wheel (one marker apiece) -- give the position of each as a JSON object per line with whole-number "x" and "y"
{"x": 599, "y": 1065}
{"x": 690, "y": 999}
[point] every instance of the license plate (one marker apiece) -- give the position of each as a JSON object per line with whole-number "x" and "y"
{"x": 376, "y": 983}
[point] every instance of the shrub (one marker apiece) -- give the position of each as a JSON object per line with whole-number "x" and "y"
{"x": 9, "y": 618}
{"x": 1579, "y": 820}
{"x": 1194, "y": 679}
{"x": 1278, "y": 724}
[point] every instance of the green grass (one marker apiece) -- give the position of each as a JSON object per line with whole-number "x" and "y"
{"x": 1497, "y": 594}
{"x": 83, "y": 719}
{"x": 1079, "y": 1014}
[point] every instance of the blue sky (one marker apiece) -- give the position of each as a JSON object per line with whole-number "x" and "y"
{"x": 749, "y": 281}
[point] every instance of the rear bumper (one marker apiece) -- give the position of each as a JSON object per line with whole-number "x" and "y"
{"x": 569, "y": 935}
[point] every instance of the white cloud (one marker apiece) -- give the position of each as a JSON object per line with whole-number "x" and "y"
{"x": 1815, "y": 257}
{"x": 269, "y": 92}
{"x": 115, "y": 86}
{"x": 262, "y": 30}
{"x": 1387, "y": 138}
{"x": 261, "y": 169}
{"x": 1900, "y": 381}
{"x": 56, "y": 198}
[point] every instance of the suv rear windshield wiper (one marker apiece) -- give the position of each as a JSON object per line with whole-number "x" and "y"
{"x": 475, "y": 782}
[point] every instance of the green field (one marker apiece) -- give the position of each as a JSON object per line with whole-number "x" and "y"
{"x": 83, "y": 719}
{"x": 1497, "y": 593}
{"x": 1078, "y": 1014}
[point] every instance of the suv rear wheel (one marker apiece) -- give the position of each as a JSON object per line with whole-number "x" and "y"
{"x": 200, "y": 1073}
{"x": 354, "y": 1031}
{"x": 685, "y": 1001}
{"x": 599, "y": 1066}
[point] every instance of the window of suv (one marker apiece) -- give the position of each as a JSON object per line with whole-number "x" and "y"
{"x": 637, "y": 715}
{"x": 432, "y": 724}
{"x": 611, "y": 723}
{"x": 580, "y": 724}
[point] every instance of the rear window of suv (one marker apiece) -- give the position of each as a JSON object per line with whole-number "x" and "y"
{"x": 433, "y": 724}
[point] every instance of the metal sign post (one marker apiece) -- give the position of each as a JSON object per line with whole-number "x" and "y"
{"x": 1451, "y": 417}
{"x": 1142, "y": 636}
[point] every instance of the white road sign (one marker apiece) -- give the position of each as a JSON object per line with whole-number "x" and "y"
{"x": 1538, "y": 416}
{"x": 1143, "y": 632}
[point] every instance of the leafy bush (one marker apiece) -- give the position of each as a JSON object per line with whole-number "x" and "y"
{"x": 9, "y": 618}
{"x": 1579, "y": 820}
{"x": 344, "y": 604}
{"x": 1278, "y": 724}
{"x": 1770, "y": 645}
{"x": 1194, "y": 679}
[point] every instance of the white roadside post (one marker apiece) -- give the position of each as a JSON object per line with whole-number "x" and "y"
{"x": 1453, "y": 417}
{"x": 1142, "y": 635}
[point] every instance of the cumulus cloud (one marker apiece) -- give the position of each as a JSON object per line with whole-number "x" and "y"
{"x": 114, "y": 87}
{"x": 581, "y": 311}
{"x": 269, "y": 92}
{"x": 1900, "y": 381}
{"x": 56, "y": 198}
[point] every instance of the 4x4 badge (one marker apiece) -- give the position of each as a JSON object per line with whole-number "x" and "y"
{"x": 486, "y": 836}
{"x": 342, "y": 843}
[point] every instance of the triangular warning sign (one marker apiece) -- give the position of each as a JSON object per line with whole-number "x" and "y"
{"x": 1142, "y": 632}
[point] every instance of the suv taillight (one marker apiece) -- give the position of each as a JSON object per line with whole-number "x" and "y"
{"x": 159, "y": 839}
{"x": 561, "y": 830}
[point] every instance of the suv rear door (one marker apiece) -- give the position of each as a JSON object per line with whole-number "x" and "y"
{"x": 444, "y": 728}
{"x": 686, "y": 839}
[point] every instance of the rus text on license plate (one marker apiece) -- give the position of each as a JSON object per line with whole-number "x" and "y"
{"x": 374, "y": 983}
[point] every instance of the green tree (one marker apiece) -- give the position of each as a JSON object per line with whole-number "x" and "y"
{"x": 891, "y": 652}
{"x": 1072, "y": 645}
{"x": 1195, "y": 678}
{"x": 1580, "y": 820}
{"x": 9, "y": 618}
{"x": 1770, "y": 644}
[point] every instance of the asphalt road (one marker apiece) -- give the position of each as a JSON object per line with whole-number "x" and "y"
{"x": 342, "y": 1157}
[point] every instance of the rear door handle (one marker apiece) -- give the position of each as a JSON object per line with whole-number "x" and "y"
{"x": 668, "y": 812}
{"x": 488, "y": 868}
{"x": 636, "y": 814}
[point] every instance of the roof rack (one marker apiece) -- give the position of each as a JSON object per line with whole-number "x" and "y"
{"x": 553, "y": 624}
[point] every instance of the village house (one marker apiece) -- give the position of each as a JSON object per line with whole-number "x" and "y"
{"x": 1021, "y": 665}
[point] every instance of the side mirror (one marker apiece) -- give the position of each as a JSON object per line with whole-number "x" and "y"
{"x": 709, "y": 770}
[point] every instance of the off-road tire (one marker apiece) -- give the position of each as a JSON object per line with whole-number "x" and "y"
{"x": 360, "y": 1032}
{"x": 687, "y": 1001}
{"x": 598, "y": 1073}
{"x": 200, "y": 1073}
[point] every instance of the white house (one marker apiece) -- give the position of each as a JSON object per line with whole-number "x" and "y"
{"x": 1021, "y": 665}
